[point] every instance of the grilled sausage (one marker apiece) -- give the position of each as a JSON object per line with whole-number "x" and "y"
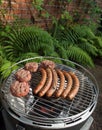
{"x": 62, "y": 82}
{"x": 53, "y": 87}
{"x": 42, "y": 82}
{"x": 47, "y": 84}
{"x": 75, "y": 88}
{"x": 69, "y": 84}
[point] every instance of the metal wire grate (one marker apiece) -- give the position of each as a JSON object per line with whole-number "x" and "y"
{"x": 33, "y": 106}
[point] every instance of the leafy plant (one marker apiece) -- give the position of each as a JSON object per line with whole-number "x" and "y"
{"x": 6, "y": 68}
{"x": 78, "y": 55}
{"x": 32, "y": 41}
{"x": 80, "y": 43}
{"x": 38, "y": 4}
{"x": 87, "y": 45}
{"x": 88, "y": 41}
{"x": 97, "y": 42}
{"x": 29, "y": 39}
{"x": 75, "y": 43}
{"x": 84, "y": 31}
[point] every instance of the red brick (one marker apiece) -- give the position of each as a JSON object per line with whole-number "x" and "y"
{"x": 24, "y": 9}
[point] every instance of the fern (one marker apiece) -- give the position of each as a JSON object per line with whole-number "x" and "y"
{"x": 28, "y": 39}
{"x": 26, "y": 56}
{"x": 74, "y": 53}
{"x": 100, "y": 52}
{"x": 73, "y": 34}
{"x": 68, "y": 34}
{"x": 70, "y": 43}
{"x": 60, "y": 50}
{"x": 84, "y": 31}
{"x": 66, "y": 44}
{"x": 75, "y": 47}
{"x": 6, "y": 68}
{"x": 98, "y": 42}
{"x": 62, "y": 53}
{"x": 45, "y": 49}
{"x": 87, "y": 46}
{"x": 2, "y": 51}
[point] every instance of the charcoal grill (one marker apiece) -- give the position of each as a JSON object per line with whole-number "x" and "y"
{"x": 52, "y": 113}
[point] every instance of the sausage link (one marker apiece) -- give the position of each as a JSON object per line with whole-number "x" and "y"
{"x": 75, "y": 88}
{"x": 53, "y": 87}
{"x": 42, "y": 81}
{"x": 69, "y": 84}
{"x": 47, "y": 84}
{"x": 62, "y": 82}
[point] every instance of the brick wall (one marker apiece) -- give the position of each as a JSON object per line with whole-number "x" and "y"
{"x": 23, "y": 10}
{"x": 99, "y": 2}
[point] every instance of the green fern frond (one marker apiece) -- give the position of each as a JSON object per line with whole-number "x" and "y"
{"x": 100, "y": 52}
{"x": 56, "y": 55}
{"x": 68, "y": 34}
{"x": 28, "y": 39}
{"x": 45, "y": 49}
{"x": 98, "y": 42}
{"x": 65, "y": 44}
{"x": 26, "y": 56}
{"x": 60, "y": 50}
{"x": 6, "y": 68}
{"x": 87, "y": 46}
{"x": 84, "y": 31}
{"x": 76, "y": 54}
{"x": 73, "y": 34}
{"x": 2, "y": 51}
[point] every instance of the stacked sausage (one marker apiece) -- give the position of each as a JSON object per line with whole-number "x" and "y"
{"x": 52, "y": 83}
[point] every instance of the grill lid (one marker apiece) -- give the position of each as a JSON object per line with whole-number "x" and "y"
{"x": 46, "y": 112}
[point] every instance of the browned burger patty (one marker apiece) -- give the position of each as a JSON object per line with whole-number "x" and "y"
{"x": 19, "y": 89}
{"x": 31, "y": 66}
{"x": 23, "y": 75}
{"x": 47, "y": 63}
